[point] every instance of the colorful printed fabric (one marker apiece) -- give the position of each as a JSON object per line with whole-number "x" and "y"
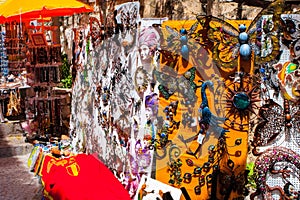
{"x": 33, "y": 158}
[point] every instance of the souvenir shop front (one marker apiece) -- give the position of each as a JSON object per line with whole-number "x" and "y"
{"x": 190, "y": 109}
{"x": 32, "y": 71}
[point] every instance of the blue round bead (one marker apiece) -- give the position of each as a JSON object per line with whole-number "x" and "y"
{"x": 185, "y": 51}
{"x": 183, "y": 31}
{"x": 243, "y": 37}
{"x": 262, "y": 70}
{"x": 292, "y": 30}
{"x": 242, "y": 27}
{"x": 245, "y": 51}
{"x": 183, "y": 39}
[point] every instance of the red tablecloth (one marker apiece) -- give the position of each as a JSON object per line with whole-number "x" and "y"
{"x": 80, "y": 177}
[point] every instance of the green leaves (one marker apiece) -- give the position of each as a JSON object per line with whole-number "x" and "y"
{"x": 66, "y": 77}
{"x": 251, "y": 176}
{"x": 67, "y": 82}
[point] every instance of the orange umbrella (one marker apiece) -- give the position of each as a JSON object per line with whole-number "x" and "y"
{"x": 24, "y": 9}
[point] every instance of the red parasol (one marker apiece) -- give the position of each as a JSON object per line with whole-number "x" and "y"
{"x": 16, "y": 9}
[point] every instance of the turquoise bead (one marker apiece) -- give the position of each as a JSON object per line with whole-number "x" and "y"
{"x": 241, "y": 101}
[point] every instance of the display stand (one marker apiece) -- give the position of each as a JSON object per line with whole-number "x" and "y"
{"x": 3, "y": 56}
{"x": 15, "y": 44}
{"x": 42, "y": 66}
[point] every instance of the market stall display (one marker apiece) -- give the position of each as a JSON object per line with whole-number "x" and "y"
{"x": 180, "y": 101}
{"x": 171, "y": 107}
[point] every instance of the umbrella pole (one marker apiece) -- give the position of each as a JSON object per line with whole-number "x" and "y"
{"x": 20, "y": 36}
{"x": 20, "y": 31}
{"x": 42, "y": 24}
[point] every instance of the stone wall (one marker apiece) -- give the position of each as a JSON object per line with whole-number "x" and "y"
{"x": 188, "y": 9}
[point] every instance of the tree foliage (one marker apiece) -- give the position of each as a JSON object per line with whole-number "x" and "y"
{"x": 66, "y": 77}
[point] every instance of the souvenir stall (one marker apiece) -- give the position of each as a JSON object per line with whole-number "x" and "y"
{"x": 41, "y": 56}
{"x": 179, "y": 104}
{"x": 4, "y": 72}
{"x": 42, "y": 66}
{"x": 12, "y": 70}
{"x": 33, "y": 66}
{"x": 173, "y": 108}
{"x": 33, "y": 48}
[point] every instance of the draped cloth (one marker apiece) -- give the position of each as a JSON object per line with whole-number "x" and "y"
{"x": 80, "y": 177}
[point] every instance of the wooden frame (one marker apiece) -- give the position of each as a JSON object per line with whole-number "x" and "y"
{"x": 38, "y": 39}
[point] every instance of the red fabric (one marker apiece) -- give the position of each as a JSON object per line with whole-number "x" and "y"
{"x": 89, "y": 180}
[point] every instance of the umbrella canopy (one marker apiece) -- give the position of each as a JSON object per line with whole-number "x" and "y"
{"x": 14, "y": 9}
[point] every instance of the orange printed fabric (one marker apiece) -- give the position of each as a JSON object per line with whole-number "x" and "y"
{"x": 179, "y": 148}
{"x": 80, "y": 177}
